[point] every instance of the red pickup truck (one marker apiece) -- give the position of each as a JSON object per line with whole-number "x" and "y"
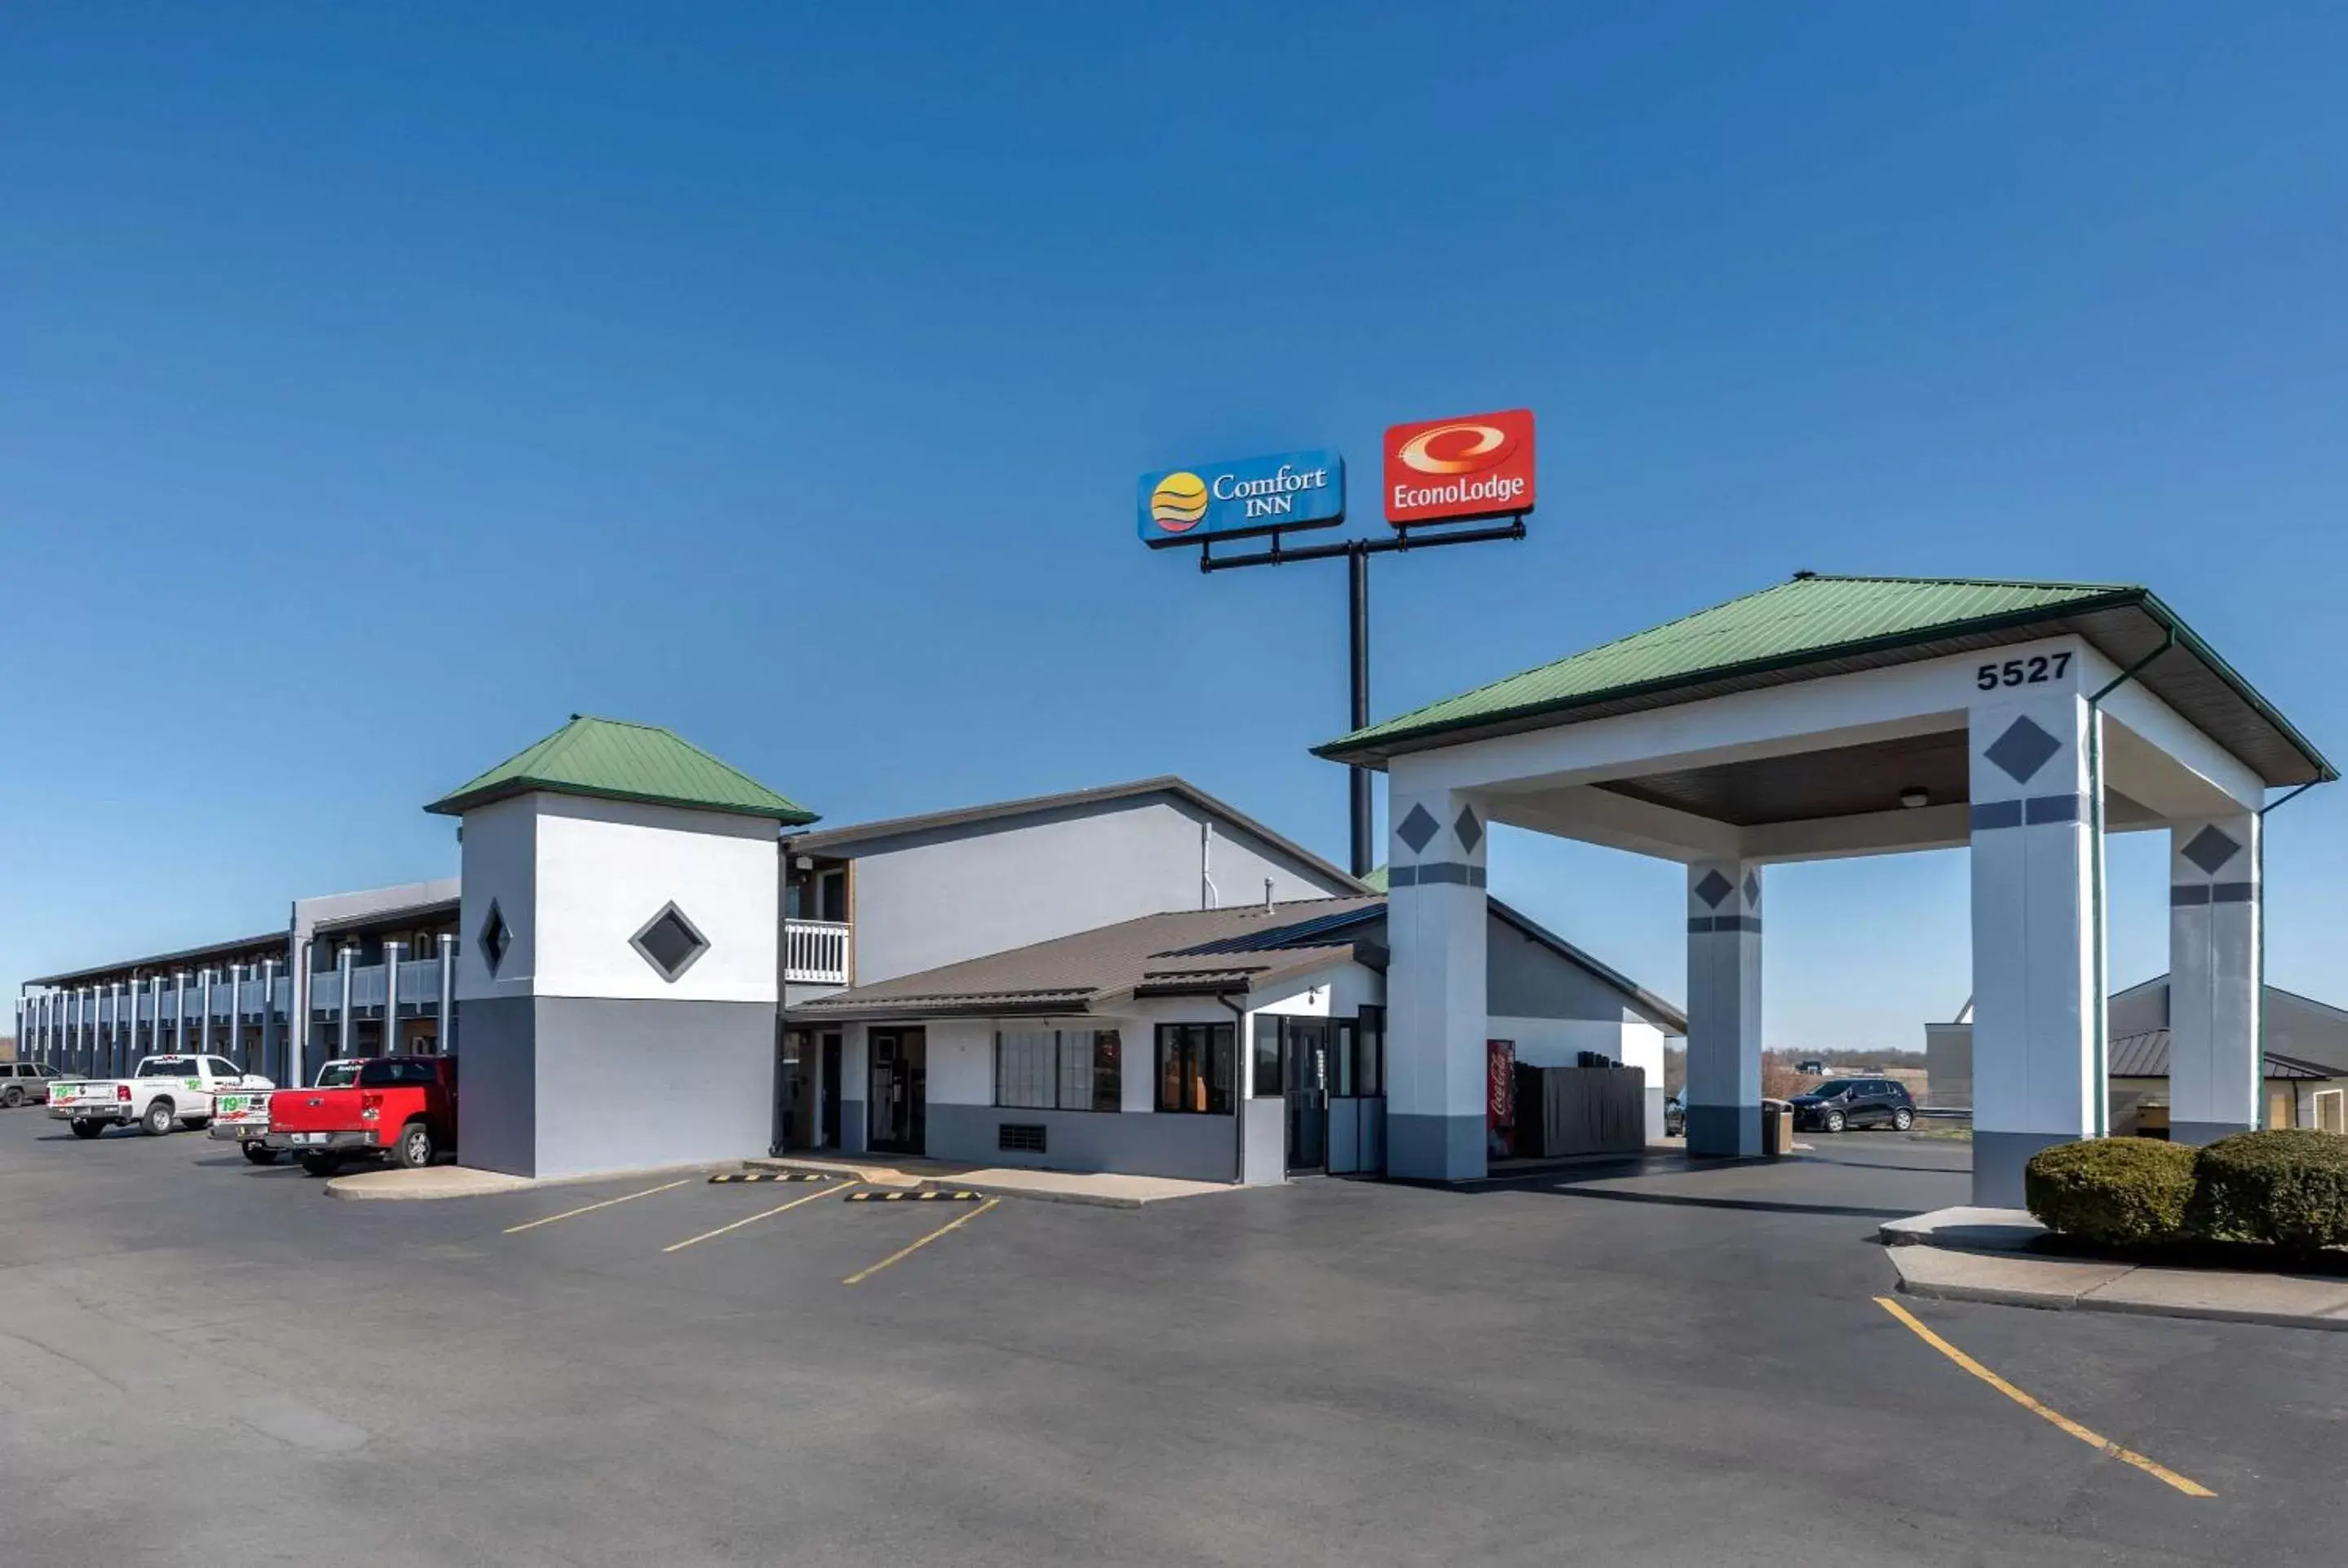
{"x": 403, "y": 1106}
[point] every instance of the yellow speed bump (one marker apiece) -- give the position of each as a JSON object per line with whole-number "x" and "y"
{"x": 728, "y": 1178}
{"x": 927, "y": 1195}
{"x": 746, "y": 1220}
{"x": 2087, "y": 1435}
{"x": 590, "y": 1208}
{"x": 903, "y": 1252}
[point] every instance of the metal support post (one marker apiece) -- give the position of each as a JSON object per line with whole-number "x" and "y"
{"x": 391, "y": 951}
{"x": 1357, "y": 620}
{"x": 271, "y": 1067}
{"x": 205, "y": 1027}
{"x": 179, "y": 1016}
{"x": 1364, "y": 848}
{"x": 344, "y": 1030}
{"x": 445, "y": 1021}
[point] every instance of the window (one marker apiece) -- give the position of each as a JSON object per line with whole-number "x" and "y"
{"x": 1195, "y": 1068}
{"x": 1059, "y": 1070}
{"x": 495, "y": 938}
{"x": 1370, "y": 1053}
{"x": 223, "y": 1068}
{"x": 1344, "y": 1049}
{"x": 1022, "y": 1068}
{"x": 166, "y": 1067}
{"x": 394, "y": 1070}
{"x": 670, "y": 943}
{"x": 1268, "y": 1030}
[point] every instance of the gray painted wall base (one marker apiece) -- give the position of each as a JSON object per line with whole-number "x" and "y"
{"x": 1424, "y": 1148}
{"x": 1132, "y": 1143}
{"x": 497, "y": 1086}
{"x": 569, "y": 1086}
{"x": 855, "y": 1126}
{"x": 2204, "y": 1132}
{"x": 1267, "y": 1141}
{"x": 1998, "y": 1161}
{"x": 1724, "y": 1131}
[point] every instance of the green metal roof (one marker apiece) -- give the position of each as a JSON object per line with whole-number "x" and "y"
{"x": 1814, "y": 625}
{"x": 614, "y": 759}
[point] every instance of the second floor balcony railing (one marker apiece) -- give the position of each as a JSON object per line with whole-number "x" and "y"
{"x": 816, "y": 952}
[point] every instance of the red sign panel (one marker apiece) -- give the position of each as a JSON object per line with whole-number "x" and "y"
{"x": 1453, "y": 470}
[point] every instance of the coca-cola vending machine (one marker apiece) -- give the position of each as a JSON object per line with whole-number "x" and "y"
{"x": 1500, "y": 1098}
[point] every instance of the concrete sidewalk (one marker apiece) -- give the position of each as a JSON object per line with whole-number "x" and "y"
{"x": 1100, "y": 1189}
{"x": 1998, "y": 1255}
{"x": 431, "y": 1182}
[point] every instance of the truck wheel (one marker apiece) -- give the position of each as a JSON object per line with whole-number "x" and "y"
{"x": 12, "y": 1097}
{"x": 259, "y": 1154}
{"x": 158, "y": 1120}
{"x": 413, "y": 1150}
{"x": 322, "y": 1165}
{"x": 84, "y": 1127}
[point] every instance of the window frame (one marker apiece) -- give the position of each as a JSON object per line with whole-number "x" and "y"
{"x": 1211, "y": 1035}
{"x": 1101, "y": 1079}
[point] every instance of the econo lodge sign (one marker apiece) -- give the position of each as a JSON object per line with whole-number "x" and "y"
{"x": 1456, "y": 470}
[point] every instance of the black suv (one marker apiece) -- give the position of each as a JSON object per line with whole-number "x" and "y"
{"x": 1842, "y": 1102}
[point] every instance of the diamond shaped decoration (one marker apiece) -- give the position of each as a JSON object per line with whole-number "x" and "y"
{"x": 1715, "y": 887}
{"x": 2210, "y": 849}
{"x": 495, "y": 938}
{"x": 1753, "y": 891}
{"x": 1470, "y": 831}
{"x": 2023, "y": 750}
{"x": 1417, "y": 828}
{"x": 670, "y": 943}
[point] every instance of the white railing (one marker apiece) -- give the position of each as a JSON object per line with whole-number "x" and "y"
{"x": 816, "y": 952}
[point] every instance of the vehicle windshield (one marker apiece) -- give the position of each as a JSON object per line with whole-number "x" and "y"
{"x": 338, "y": 1075}
{"x": 166, "y": 1067}
{"x": 1835, "y": 1086}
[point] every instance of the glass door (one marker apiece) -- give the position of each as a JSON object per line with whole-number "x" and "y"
{"x": 1305, "y": 1044}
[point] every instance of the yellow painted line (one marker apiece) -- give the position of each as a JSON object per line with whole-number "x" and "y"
{"x": 752, "y": 1219}
{"x": 903, "y": 1252}
{"x": 2087, "y": 1435}
{"x": 590, "y": 1208}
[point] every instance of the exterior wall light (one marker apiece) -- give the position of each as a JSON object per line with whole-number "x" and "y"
{"x": 1912, "y": 797}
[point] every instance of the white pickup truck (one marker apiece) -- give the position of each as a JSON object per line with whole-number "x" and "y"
{"x": 242, "y": 1114}
{"x": 160, "y": 1093}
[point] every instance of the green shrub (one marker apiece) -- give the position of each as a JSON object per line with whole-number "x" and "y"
{"x": 2287, "y": 1186}
{"x": 2116, "y": 1190}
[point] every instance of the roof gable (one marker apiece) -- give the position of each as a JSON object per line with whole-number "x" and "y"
{"x": 612, "y": 759}
{"x": 860, "y": 837}
{"x": 1815, "y": 626}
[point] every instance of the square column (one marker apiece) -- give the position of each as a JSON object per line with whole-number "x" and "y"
{"x": 1437, "y": 1013}
{"x": 2216, "y": 924}
{"x": 1724, "y": 1082}
{"x": 2038, "y": 935}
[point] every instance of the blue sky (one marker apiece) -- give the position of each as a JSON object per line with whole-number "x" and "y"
{"x": 379, "y": 386}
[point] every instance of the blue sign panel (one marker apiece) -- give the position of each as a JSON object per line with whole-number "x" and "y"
{"x": 1253, "y": 496}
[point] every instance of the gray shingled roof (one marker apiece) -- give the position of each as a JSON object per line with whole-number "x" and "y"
{"x": 1187, "y": 952}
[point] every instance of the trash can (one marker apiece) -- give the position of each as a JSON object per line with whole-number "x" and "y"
{"x": 1777, "y": 1128}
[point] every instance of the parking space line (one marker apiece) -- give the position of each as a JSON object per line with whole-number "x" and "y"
{"x": 2092, "y": 1438}
{"x": 906, "y": 1252}
{"x": 590, "y": 1208}
{"x": 753, "y": 1219}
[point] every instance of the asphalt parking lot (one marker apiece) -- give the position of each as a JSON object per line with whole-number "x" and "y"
{"x": 204, "y": 1361}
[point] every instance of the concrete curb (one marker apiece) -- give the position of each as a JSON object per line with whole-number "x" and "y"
{"x": 1976, "y": 1254}
{"x": 435, "y": 1184}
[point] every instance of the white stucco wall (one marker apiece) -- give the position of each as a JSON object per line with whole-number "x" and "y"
{"x": 606, "y": 867}
{"x": 939, "y": 897}
{"x": 500, "y": 860}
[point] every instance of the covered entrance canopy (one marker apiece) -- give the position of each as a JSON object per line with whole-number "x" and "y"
{"x": 1840, "y": 716}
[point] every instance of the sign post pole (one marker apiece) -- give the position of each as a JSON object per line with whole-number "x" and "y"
{"x": 1444, "y": 471}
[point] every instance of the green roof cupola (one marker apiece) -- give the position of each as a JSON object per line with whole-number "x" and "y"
{"x": 612, "y": 759}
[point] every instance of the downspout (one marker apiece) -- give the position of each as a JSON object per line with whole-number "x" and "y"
{"x": 2103, "y": 1103}
{"x": 1243, "y": 1084}
{"x": 2258, "y": 960}
{"x": 1208, "y": 897}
